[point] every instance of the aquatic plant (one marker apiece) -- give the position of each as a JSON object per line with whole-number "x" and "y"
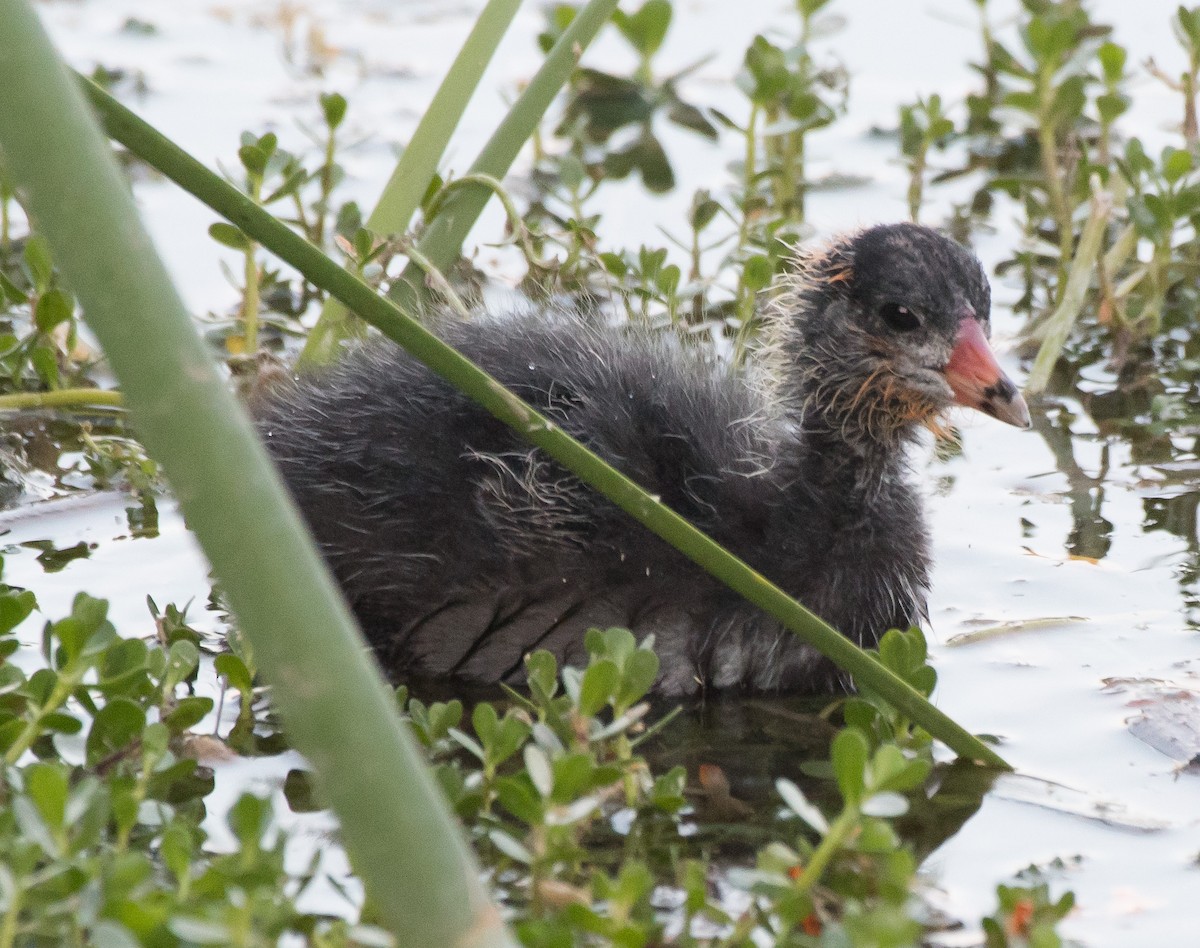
{"x": 107, "y": 773}
{"x": 540, "y": 780}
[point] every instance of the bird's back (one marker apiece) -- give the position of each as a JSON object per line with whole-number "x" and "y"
{"x": 461, "y": 548}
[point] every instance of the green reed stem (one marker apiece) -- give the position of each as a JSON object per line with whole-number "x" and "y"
{"x": 62, "y": 398}
{"x": 444, "y": 238}
{"x": 318, "y": 269}
{"x": 421, "y": 877}
{"x": 418, "y": 164}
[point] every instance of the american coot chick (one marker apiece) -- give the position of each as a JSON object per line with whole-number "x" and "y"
{"x": 461, "y": 549}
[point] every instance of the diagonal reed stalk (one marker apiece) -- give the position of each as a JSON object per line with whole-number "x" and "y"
{"x": 417, "y": 165}
{"x": 318, "y": 269}
{"x": 403, "y": 841}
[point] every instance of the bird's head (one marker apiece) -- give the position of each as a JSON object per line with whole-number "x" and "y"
{"x": 886, "y": 329}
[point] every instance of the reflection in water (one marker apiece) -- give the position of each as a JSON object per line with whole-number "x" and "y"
{"x": 1177, "y": 516}
{"x": 754, "y": 741}
{"x": 1091, "y": 533}
{"x": 1125, "y": 411}
{"x": 1125, "y": 407}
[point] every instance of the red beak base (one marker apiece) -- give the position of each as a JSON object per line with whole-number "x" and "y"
{"x": 978, "y": 381}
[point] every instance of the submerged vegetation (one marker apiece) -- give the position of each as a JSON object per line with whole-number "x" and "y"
{"x": 585, "y": 834}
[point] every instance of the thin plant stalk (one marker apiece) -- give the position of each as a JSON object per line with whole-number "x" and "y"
{"x": 444, "y": 238}
{"x": 62, "y": 398}
{"x": 250, "y": 296}
{"x": 418, "y": 870}
{"x": 321, "y": 271}
{"x": 418, "y": 164}
{"x": 1054, "y": 331}
{"x": 1052, "y": 172}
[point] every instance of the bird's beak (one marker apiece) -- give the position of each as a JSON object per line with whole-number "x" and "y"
{"x": 978, "y": 381}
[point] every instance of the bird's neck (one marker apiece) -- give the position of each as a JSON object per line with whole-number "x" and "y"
{"x": 847, "y": 470}
{"x": 850, "y": 429}
{"x": 843, "y": 446}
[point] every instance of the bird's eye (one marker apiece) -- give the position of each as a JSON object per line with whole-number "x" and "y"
{"x": 898, "y": 317}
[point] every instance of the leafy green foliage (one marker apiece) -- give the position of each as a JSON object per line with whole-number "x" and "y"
{"x": 601, "y": 104}
{"x": 1026, "y": 917}
{"x": 39, "y": 323}
{"x": 922, "y": 126}
{"x": 101, "y": 835}
{"x": 789, "y": 96}
{"x": 100, "y": 832}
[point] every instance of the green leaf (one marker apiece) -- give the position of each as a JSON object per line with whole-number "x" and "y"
{"x": 37, "y": 259}
{"x": 333, "y": 106}
{"x": 183, "y": 658}
{"x": 249, "y": 819}
{"x": 187, "y": 713}
{"x": 124, "y": 663}
{"x": 647, "y": 156}
{"x": 757, "y": 272}
{"x": 693, "y": 119}
{"x": 1111, "y": 106}
{"x": 704, "y": 209}
{"x": 45, "y": 362}
{"x": 1187, "y": 25}
{"x": 53, "y": 307}
{"x": 47, "y": 785}
{"x": 1024, "y": 101}
{"x": 645, "y": 29}
{"x": 637, "y": 678}
{"x": 808, "y": 8}
{"x": 618, "y": 645}
{"x": 86, "y": 630}
{"x": 600, "y": 681}
{"x": 849, "y": 756}
{"x": 542, "y": 674}
{"x": 517, "y": 795}
{"x": 768, "y": 72}
{"x": 486, "y": 722}
{"x": 234, "y": 671}
{"x": 572, "y": 776}
{"x": 229, "y": 235}
{"x": 1176, "y": 163}
{"x": 177, "y": 849}
{"x": 1069, "y": 100}
{"x": 444, "y": 715}
{"x": 155, "y": 739}
{"x": 114, "y": 727}
{"x": 513, "y": 732}
{"x": 11, "y": 293}
{"x": 876, "y": 836}
{"x": 614, "y": 263}
{"x": 859, "y": 713}
{"x": 1112, "y": 58}
{"x": 62, "y": 723}
{"x": 15, "y": 608}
